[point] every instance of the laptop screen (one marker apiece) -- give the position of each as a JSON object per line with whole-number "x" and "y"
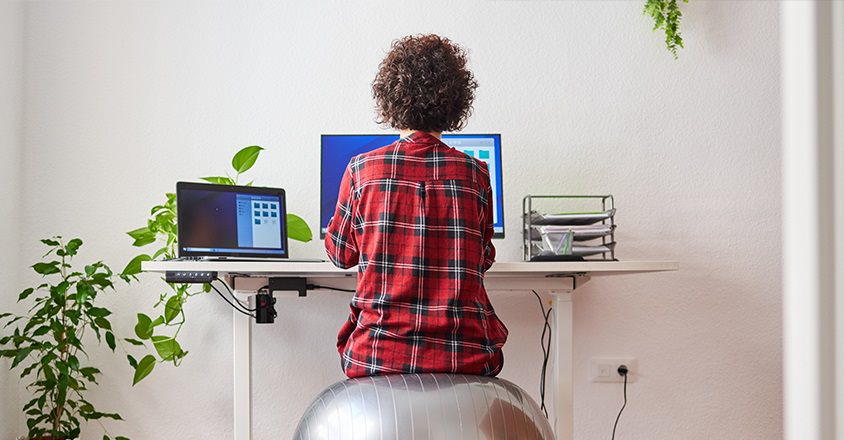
{"x": 233, "y": 221}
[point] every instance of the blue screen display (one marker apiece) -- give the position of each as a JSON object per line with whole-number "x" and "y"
{"x": 338, "y": 150}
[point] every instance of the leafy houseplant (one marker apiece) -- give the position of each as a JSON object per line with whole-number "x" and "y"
{"x": 48, "y": 343}
{"x": 666, "y": 15}
{"x": 161, "y": 233}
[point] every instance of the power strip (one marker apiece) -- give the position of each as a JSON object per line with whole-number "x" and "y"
{"x": 190, "y": 277}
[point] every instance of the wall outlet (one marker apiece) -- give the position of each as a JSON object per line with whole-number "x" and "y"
{"x": 606, "y": 369}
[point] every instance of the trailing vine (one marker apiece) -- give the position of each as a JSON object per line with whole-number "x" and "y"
{"x": 666, "y": 15}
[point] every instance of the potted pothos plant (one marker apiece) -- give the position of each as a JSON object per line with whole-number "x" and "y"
{"x": 48, "y": 343}
{"x": 162, "y": 329}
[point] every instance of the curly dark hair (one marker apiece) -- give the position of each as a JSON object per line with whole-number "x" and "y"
{"x": 424, "y": 84}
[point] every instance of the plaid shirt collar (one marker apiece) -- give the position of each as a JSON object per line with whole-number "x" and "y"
{"x": 421, "y": 137}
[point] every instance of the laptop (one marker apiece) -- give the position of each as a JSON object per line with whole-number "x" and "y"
{"x": 229, "y": 222}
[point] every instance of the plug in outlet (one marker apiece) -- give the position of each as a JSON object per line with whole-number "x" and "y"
{"x": 606, "y": 369}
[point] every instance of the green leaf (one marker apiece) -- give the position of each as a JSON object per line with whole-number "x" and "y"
{"x": 143, "y": 329}
{"x": 110, "y": 340}
{"x": 245, "y": 158}
{"x": 48, "y": 373}
{"x": 73, "y": 246}
{"x": 158, "y": 321}
{"x": 156, "y": 208}
{"x": 140, "y": 232}
{"x": 143, "y": 241}
{"x": 102, "y": 323}
{"x": 172, "y": 308}
{"x": 134, "y": 266}
{"x": 159, "y": 252}
{"x": 297, "y": 229}
{"x": 73, "y": 362}
{"x": 47, "y": 268}
{"x": 143, "y": 369}
{"x": 219, "y": 180}
{"x": 83, "y": 291}
{"x": 73, "y": 315}
{"x": 168, "y": 348}
{"x": 132, "y": 362}
{"x": 120, "y": 437}
{"x": 41, "y": 331}
{"x": 29, "y": 369}
{"x": 22, "y": 354}
{"x": 25, "y": 294}
{"x": 89, "y": 373}
{"x": 133, "y": 341}
{"x": 50, "y": 242}
{"x": 98, "y": 312}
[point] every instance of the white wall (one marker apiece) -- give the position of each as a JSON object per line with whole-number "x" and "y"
{"x": 11, "y": 140}
{"x": 123, "y": 99}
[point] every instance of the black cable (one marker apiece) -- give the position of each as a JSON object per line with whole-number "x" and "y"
{"x": 623, "y": 371}
{"x": 314, "y": 286}
{"x": 545, "y": 343}
{"x": 231, "y": 294}
{"x": 547, "y": 352}
{"x": 230, "y": 303}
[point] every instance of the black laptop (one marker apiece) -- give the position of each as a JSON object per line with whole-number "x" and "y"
{"x": 228, "y": 222}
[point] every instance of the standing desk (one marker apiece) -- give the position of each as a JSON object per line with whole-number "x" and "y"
{"x": 557, "y": 279}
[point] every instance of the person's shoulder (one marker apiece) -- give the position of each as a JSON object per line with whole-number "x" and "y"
{"x": 478, "y": 168}
{"x": 481, "y": 166}
{"x": 358, "y": 163}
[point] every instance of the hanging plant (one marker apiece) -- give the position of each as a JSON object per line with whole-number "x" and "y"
{"x": 666, "y": 15}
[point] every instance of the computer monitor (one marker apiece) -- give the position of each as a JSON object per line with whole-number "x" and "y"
{"x": 338, "y": 149}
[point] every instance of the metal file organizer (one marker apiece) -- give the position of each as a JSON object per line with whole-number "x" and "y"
{"x": 568, "y": 228}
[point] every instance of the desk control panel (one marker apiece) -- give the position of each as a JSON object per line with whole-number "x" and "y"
{"x": 189, "y": 277}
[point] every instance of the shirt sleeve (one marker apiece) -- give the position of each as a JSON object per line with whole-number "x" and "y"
{"x": 489, "y": 248}
{"x": 340, "y": 241}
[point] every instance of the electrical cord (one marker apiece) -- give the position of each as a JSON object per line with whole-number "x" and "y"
{"x": 230, "y": 303}
{"x": 545, "y": 343}
{"x": 314, "y": 286}
{"x": 232, "y": 295}
{"x": 622, "y": 370}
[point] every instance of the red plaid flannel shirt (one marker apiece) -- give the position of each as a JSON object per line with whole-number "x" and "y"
{"x": 416, "y": 217}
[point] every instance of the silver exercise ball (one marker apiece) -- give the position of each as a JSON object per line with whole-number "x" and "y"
{"x": 424, "y": 407}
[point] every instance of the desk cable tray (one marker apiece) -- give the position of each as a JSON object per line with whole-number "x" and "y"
{"x": 568, "y": 228}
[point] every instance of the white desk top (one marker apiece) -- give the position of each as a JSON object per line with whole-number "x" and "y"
{"x": 500, "y": 269}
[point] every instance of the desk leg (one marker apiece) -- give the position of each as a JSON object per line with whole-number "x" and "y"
{"x": 564, "y": 349}
{"x": 242, "y": 375}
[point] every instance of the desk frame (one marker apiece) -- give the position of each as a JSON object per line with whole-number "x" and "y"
{"x": 558, "y": 280}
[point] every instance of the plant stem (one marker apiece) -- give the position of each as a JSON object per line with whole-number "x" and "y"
{"x": 63, "y": 334}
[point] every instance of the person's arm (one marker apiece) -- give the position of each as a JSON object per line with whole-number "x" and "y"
{"x": 489, "y": 248}
{"x": 340, "y": 242}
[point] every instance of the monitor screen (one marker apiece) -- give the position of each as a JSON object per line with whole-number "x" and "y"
{"x": 226, "y": 220}
{"x": 338, "y": 150}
